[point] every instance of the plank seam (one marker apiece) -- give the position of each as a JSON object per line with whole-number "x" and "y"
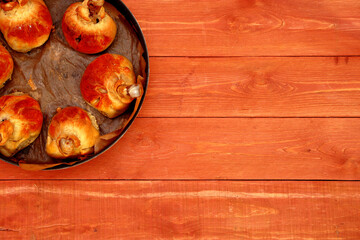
{"x": 187, "y": 180}
{"x": 260, "y": 56}
{"x": 255, "y": 117}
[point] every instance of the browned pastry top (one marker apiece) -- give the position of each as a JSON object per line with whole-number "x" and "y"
{"x": 87, "y": 27}
{"x": 6, "y": 65}
{"x": 72, "y": 133}
{"x": 25, "y": 24}
{"x": 21, "y": 122}
{"x": 107, "y": 82}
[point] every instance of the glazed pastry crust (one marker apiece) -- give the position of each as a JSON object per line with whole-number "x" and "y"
{"x": 105, "y": 83}
{"x": 21, "y": 122}
{"x": 85, "y": 35}
{"x": 72, "y": 133}
{"x": 25, "y": 26}
{"x": 6, "y": 66}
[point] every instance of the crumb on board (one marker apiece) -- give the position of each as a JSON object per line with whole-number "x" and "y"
{"x": 32, "y": 84}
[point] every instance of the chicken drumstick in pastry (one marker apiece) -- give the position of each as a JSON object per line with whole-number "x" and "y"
{"x": 25, "y": 24}
{"x": 72, "y": 133}
{"x": 21, "y": 121}
{"x": 6, "y": 66}
{"x": 109, "y": 85}
{"x": 87, "y": 27}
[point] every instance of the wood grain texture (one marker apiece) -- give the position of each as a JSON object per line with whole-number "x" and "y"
{"x": 253, "y": 87}
{"x": 189, "y": 130}
{"x": 249, "y": 27}
{"x": 179, "y": 210}
{"x": 222, "y": 148}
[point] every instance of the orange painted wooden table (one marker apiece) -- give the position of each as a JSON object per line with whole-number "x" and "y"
{"x": 250, "y": 130}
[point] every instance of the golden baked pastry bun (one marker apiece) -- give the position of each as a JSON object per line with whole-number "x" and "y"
{"x": 87, "y": 27}
{"x": 72, "y": 133}
{"x": 20, "y": 122}
{"x": 25, "y": 24}
{"x": 108, "y": 84}
{"x": 6, "y": 66}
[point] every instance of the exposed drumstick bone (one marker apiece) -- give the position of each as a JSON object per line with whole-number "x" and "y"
{"x": 92, "y": 10}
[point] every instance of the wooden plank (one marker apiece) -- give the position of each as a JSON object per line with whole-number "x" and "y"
{"x": 249, "y": 27}
{"x": 179, "y": 210}
{"x": 223, "y": 148}
{"x": 253, "y": 86}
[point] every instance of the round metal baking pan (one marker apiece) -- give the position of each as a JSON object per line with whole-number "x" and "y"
{"x": 123, "y": 9}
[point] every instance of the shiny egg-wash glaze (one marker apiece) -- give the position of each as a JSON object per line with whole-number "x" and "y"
{"x": 25, "y": 24}
{"x": 87, "y": 27}
{"x": 72, "y": 133}
{"x": 21, "y": 122}
{"x": 6, "y": 66}
{"x": 134, "y": 24}
{"x": 109, "y": 84}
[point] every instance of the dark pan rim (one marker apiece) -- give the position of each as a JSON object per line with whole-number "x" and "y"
{"x": 125, "y": 11}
